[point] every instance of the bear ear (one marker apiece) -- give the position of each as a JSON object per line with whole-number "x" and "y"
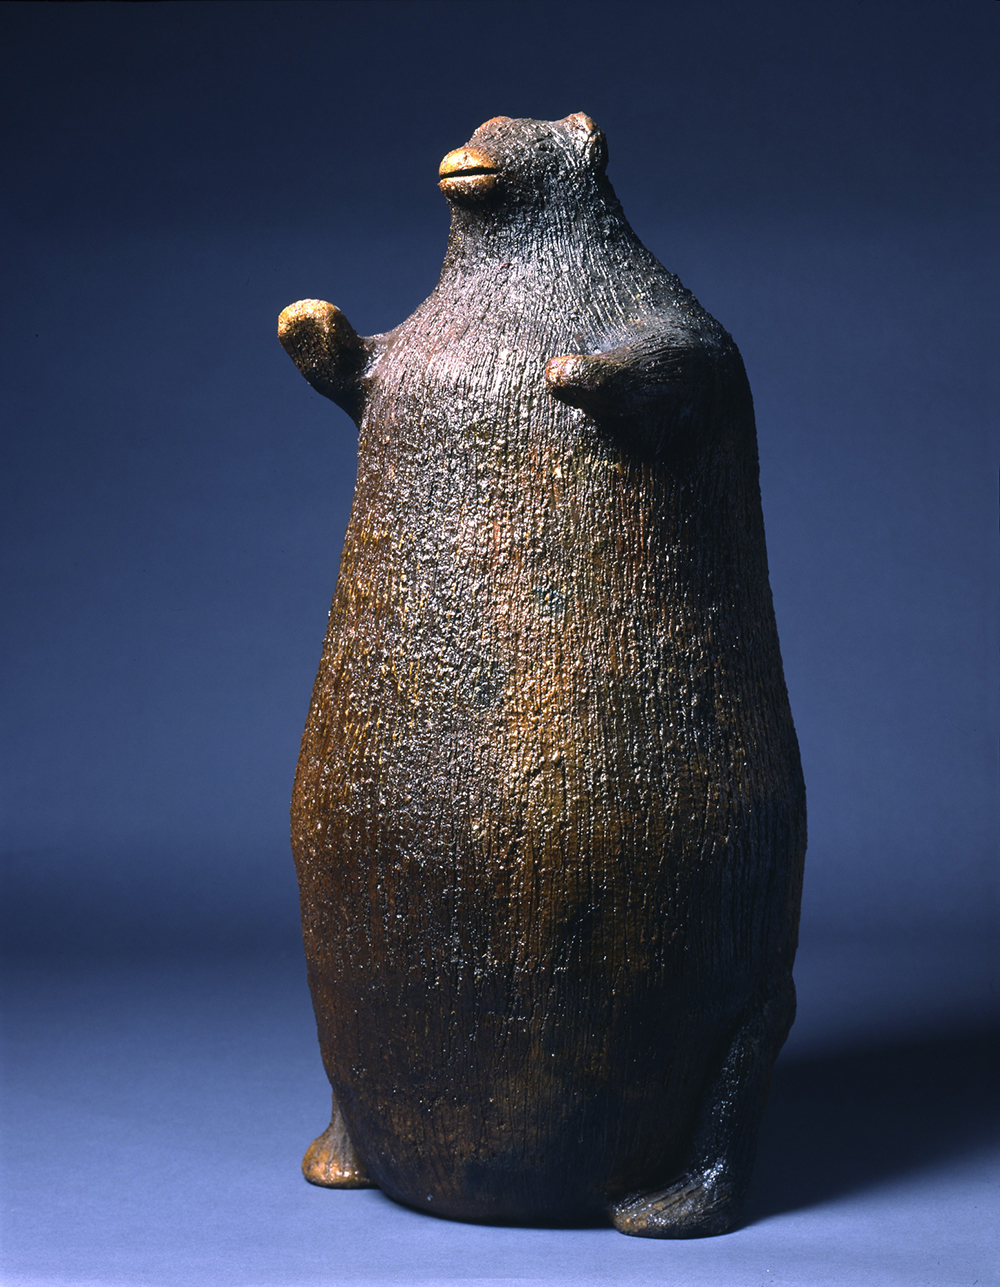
{"x": 589, "y": 138}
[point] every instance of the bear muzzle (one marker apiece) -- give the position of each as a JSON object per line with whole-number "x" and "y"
{"x": 468, "y": 172}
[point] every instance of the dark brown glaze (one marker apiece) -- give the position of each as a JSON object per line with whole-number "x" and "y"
{"x": 549, "y": 817}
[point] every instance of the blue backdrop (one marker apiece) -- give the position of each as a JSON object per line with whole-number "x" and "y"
{"x": 816, "y": 174}
{"x": 175, "y": 496}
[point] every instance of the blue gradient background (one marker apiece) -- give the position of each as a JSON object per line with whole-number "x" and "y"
{"x": 175, "y": 496}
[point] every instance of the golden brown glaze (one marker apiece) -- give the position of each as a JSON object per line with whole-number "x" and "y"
{"x": 548, "y": 817}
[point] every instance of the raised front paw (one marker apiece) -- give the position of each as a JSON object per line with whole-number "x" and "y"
{"x": 326, "y": 348}
{"x": 579, "y": 379}
{"x": 695, "y": 1206}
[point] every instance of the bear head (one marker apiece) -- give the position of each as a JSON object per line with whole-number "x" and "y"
{"x": 525, "y": 164}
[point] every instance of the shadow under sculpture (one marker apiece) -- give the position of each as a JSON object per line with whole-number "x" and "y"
{"x": 549, "y": 816}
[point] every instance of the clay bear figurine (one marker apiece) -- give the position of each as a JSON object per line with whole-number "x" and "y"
{"x": 549, "y": 816}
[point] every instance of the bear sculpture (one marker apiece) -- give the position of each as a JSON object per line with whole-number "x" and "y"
{"x": 549, "y": 817}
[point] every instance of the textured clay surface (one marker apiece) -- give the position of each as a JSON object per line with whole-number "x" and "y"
{"x": 549, "y": 817}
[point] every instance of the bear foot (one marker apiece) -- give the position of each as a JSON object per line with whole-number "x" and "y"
{"x": 695, "y": 1206}
{"x": 331, "y": 1161}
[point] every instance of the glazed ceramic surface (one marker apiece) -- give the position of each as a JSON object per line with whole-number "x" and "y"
{"x": 549, "y": 817}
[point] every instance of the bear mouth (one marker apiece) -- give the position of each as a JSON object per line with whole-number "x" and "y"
{"x": 468, "y": 163}
{"x": 471, "y": 172}
{"x": 468, "y": 175}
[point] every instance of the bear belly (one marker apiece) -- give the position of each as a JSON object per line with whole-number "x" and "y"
{"x": 522, "y": 932}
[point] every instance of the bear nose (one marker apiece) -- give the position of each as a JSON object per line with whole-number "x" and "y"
{"x": 468, "y": 169}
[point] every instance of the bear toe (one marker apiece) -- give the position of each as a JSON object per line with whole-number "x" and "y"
{"x": 332, "y": 1163}
{"x": 693, "y": 1207}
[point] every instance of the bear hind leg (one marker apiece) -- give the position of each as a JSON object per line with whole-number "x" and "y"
{"x": 707, "y": 1198}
